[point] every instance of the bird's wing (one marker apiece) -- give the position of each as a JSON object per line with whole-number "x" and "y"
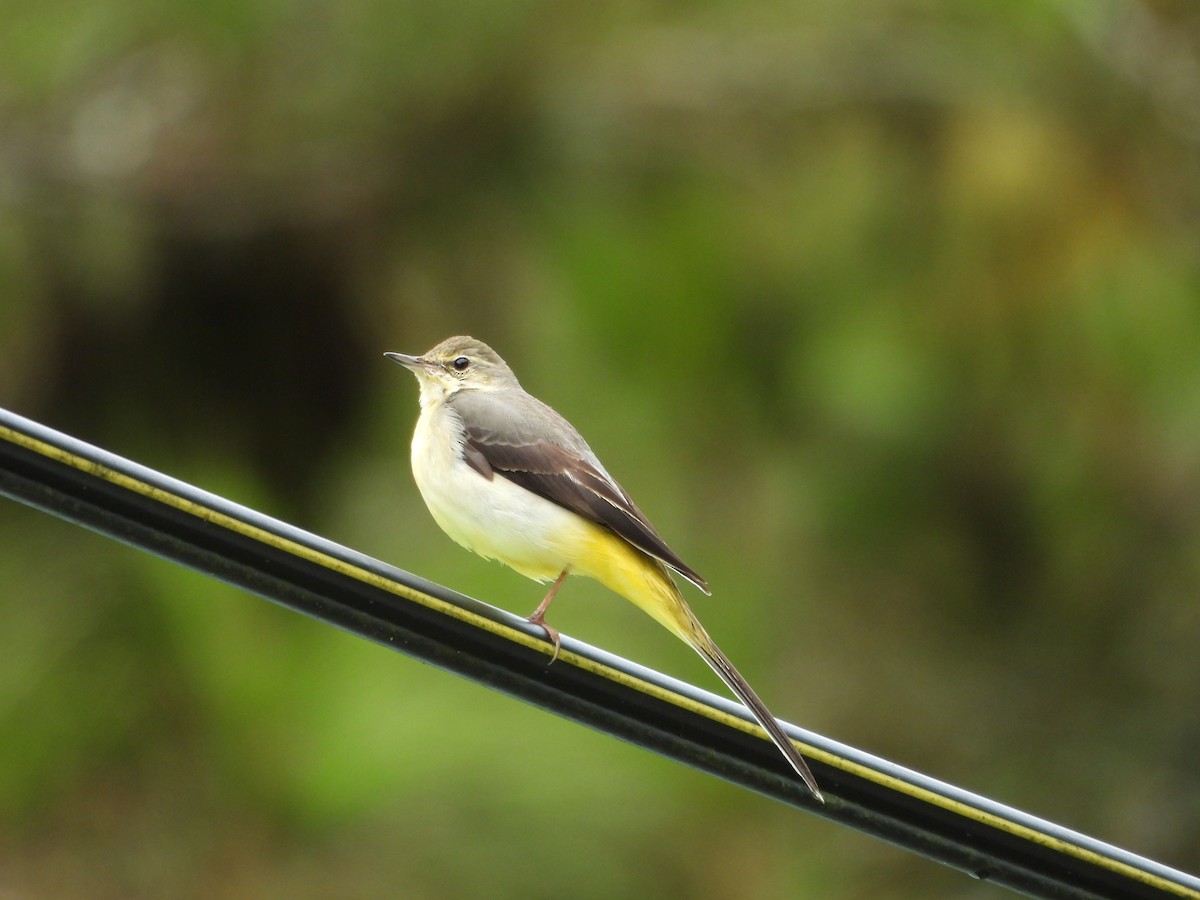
{"x": 516, "y": 435}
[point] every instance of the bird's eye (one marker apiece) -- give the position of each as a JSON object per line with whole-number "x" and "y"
{"x": 461, "y": 364}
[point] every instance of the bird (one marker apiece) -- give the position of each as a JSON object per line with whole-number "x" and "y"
{"x": 510, "y": 479}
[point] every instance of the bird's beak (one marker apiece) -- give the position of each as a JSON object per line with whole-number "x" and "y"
{"x": 413, "y": 363}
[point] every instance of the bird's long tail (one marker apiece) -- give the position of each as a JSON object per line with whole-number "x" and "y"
{"x": 733, "y": 679}
{"x": 647, "y": 583}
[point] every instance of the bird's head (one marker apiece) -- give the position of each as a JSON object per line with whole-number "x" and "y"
{"x": 458, "y": 363}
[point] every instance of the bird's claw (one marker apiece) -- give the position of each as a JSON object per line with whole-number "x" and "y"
{"x": 552, "y": 634}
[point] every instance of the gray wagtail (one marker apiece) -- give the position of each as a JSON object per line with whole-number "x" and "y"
{"x": 510, "y": 479}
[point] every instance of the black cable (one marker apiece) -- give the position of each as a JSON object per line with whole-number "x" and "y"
{"x": 116, "y": 497}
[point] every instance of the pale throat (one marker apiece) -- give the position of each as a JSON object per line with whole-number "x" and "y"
{"x": 433, "y": 393}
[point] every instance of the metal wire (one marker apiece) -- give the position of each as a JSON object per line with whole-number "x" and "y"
{"x": 91, "y": 487}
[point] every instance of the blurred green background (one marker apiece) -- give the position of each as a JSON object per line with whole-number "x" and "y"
{"x": 887, "y": 313}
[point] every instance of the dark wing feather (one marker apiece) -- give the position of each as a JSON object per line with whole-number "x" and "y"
{"x": 557, "y": 465}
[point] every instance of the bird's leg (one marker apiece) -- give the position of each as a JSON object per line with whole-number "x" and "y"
{"x": 539, "y": 615}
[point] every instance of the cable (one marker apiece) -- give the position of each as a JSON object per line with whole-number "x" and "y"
{"x": 111, "y": 495}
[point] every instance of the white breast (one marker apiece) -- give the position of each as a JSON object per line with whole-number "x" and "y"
{"x": 494, "y": 518}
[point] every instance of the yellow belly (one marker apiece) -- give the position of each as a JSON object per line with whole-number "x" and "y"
{"x": 640, "y": 578}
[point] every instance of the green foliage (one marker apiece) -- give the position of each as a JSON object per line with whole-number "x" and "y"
{"x": 886, "y": 313}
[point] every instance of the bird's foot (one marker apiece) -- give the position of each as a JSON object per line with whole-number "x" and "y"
{"x": 551, "y": 632}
